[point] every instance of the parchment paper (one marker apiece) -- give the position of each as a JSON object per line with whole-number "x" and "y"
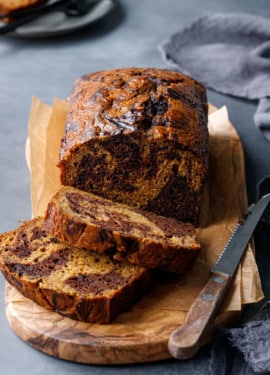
{"x": 223, "y": 205}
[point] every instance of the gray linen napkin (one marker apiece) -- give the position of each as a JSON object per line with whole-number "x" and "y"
{"x": 229, "y": 53}
{"x": 245, "y": 350}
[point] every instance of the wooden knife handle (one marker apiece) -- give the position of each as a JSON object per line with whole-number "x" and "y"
{"x": 185, "y": 341}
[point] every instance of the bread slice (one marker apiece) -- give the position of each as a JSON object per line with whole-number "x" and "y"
{"x": 144, "y": 238}
{"x": 76, "y": 283}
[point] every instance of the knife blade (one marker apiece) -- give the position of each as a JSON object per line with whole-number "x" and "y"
{"x": 185, "y": 341}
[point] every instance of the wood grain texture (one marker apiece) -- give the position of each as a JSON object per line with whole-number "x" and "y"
{"x": 141, "y": 334}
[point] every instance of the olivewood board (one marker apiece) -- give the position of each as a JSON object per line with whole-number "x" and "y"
{"x": 141, "y": 334}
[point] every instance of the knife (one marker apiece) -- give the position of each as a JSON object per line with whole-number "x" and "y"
{"x": 185, "y": 341}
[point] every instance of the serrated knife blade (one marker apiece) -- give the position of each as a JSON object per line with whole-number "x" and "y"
{"x": 235, "y": 247}
{"x": 185, "y": 341}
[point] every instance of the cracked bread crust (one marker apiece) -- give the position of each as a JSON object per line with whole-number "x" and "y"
{"x": 76, "y": 283}
{"x": 138, "y": 136}
{"x": 143, "y": 238}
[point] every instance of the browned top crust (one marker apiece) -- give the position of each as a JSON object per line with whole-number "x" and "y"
{"x": 157, "y": 101}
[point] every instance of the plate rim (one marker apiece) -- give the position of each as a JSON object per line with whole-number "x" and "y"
{"x": 103, "y": 8}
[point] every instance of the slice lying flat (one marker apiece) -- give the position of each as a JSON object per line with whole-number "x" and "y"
{"x": 76, "y": 283}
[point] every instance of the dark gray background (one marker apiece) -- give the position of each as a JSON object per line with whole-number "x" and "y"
{"x": 47, "y": 68}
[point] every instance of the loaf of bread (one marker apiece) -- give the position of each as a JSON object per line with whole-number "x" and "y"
{"x": 14, "y": 5}
{"x": 97, "y": 224}
{"x": 138, "y": 136}
{"x": 76, "y": 283}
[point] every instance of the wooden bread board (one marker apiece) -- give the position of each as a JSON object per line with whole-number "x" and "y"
{"x": 141, "y": 334}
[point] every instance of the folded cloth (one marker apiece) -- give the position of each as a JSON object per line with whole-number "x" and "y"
{"x": 245, "y": 350}
{"x": 229, "y": 53}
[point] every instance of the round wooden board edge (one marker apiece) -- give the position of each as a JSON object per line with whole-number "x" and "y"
{"x": 96, "y": 351}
